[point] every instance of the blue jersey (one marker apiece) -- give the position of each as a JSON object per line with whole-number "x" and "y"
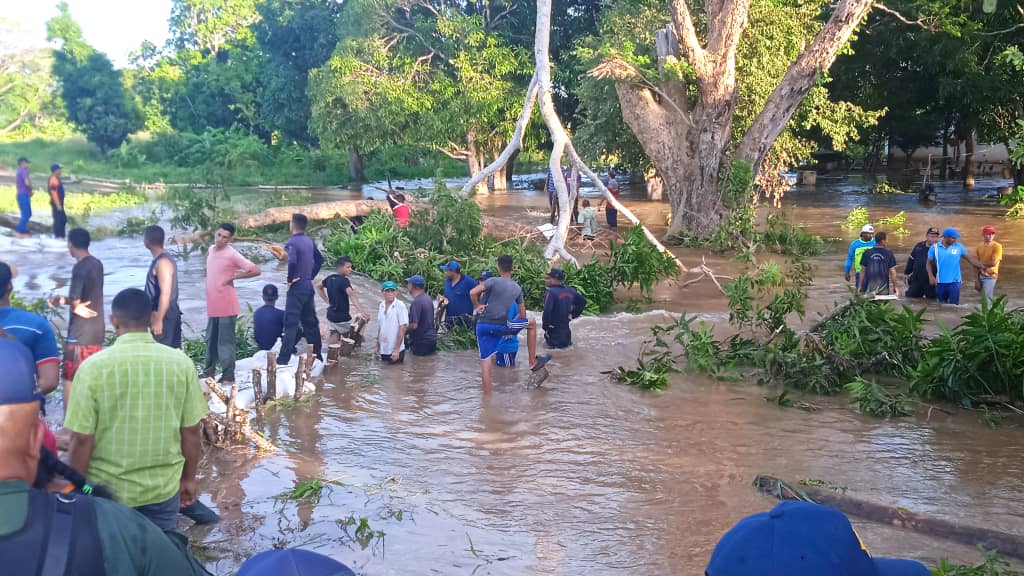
{"x": 32, "y": 330}
{"x": 947, "y": 261}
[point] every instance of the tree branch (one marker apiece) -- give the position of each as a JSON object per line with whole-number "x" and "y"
{"x": 689, "y": 44}
{"x": 930, "y": 26}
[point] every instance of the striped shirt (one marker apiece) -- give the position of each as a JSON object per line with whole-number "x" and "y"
{"x": 134, "y": 398}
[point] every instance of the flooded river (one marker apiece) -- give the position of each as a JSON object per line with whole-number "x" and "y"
{"x": 585, "y": 476}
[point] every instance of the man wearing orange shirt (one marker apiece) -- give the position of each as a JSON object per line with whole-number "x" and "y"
{"x": 990, "y": 253}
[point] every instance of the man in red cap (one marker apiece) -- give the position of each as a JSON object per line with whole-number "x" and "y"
{"x": 990, "y": 253}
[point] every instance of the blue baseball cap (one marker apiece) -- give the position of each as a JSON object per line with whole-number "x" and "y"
{"x": 800, "y": 539}
{"x": 389, "y": 285}
{"x": 951, "y": 233}
{"x": 452, "y": 266}
{"x": 486, "y": 275}
{"x": 417, "y": 280}
{"x": 18, "y": 386}
{"x": 293, "y": 562}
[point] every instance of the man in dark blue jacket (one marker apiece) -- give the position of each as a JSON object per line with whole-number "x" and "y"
{"x": 304, "y": 262}
{"x": 561, "y": 305}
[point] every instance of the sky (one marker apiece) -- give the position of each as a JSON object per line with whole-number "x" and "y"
{"x": 115, "y": 27}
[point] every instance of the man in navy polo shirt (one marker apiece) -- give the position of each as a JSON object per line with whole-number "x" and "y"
{"x": 456, "y": 291}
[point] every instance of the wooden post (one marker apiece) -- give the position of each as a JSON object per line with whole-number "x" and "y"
{"x": 257, "y": 388}
{"x": 271, "y": 376}
{"x": 300, "y": 377}
{"x": 310, "y": 358}
{"x": 232, "y": 412}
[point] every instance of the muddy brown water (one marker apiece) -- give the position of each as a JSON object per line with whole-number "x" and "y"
{"x": 585, "y": 475}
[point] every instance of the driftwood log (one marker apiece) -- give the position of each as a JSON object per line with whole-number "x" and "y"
{"x": 233, "y": 425}
{"x": 1001, "y": 542}
{"x": 11, "y": 221}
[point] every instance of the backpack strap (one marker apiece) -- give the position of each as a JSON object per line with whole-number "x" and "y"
{"x": 58, "y": 546}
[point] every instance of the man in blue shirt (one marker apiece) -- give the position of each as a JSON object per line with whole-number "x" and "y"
{"x": 32, "y": 330}
{"x": 944, "y": 266}
{"x": 304, "y": 262}
{"x": 857, "y": 249}
{"x": 23, "y": 183}
{"x": 268, "y": 320}
{"x": 561, "y": 304}
{"x": 456, "y": 291}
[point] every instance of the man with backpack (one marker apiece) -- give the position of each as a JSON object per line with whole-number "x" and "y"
{"x": 68, "y": 534}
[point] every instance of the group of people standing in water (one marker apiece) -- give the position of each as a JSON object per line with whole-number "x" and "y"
{"x": 933, "y": 268}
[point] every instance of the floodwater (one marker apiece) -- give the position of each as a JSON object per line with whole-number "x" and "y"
{"x": 585, "y": 475}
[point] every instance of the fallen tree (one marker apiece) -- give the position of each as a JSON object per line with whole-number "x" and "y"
{"x": 993, "y": 540}
{"x": 11, "y": 221}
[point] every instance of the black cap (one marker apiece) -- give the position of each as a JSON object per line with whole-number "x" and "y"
{"x": 934, "y": 230}
{"x": 269, "y": 293}
{"x": 557, "y": 274}
{"x": 55, "y": 167}
{"x": 486, "y": 275}
{"x": 22, "y": 159}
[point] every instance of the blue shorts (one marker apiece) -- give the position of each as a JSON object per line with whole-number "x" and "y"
{"x": 506, "y": 359}
{"x": 948, "y": 292}
{"x": 488, "y": 336}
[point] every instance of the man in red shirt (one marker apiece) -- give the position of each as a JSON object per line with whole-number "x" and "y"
{"x": 224, "y": 265}
{"x": 399, "y": 209}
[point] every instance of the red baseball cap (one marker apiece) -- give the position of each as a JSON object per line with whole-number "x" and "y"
{"x": 988, "y": 230}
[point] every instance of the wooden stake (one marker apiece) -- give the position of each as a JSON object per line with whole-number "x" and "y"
{"x": 310, "y": 358}
{"x": 300, "y": 377}
{"x": 232, "y": 412}
{"x": 271, "y": 376}
{"x": 246, "y": 432}
{"x": 257, "y": 388}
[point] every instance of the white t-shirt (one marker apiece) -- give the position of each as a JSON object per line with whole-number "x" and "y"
{"x": 395, "y": 317}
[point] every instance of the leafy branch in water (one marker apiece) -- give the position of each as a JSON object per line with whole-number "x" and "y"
{"x": 993, "y": 565}
{"x": 308, "y": 491}
{"x": 874, "y": 400}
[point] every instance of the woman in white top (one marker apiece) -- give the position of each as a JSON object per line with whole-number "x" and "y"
{"x": 392, "y": 322}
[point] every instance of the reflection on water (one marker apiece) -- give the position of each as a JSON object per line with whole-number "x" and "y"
{"x": 584, "y": 475}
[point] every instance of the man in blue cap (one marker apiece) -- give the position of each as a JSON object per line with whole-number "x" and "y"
{"x": 456, "y": 291}
{"x": 944, "y": 266}
{"x": 801, "y": 539}
{"x": 422, "y": 332}
{"x": 562, "y": 304}
{"x": 293, "y": 562}
{"x": 50, "y": 533}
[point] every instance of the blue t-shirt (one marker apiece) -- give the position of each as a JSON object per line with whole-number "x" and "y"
{"x": 33, "y": 331}
{"x": 947, "y": 261}
{"x": 459, "y": 302}
{"x": 267, "y": 326}
{"x": 510, "y": 344}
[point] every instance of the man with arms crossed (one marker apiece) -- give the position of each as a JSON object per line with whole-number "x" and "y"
{"x": 502, "y": 294}
{"x": 224, "y": 265}
{"x": 135, "y": 415}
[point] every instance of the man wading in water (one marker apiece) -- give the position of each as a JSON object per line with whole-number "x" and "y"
{"x": 162, "y": 289}
{"x": 917, "y": 268}
{"x": 492, "y": 323}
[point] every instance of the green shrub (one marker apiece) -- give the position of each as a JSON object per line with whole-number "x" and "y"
{"x": 594, "y": 281}
{"x": 984, "y": 355}
{"x": 638, "y": 262}
{"x": 789, "y": 240}
{"x": 877, "y": 401}
{"x": 872, "y": 336}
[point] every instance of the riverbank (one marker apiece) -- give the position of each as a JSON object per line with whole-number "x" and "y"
{"x": 584, "y": 475}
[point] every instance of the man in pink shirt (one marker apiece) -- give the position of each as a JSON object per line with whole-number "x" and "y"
{"x": 224, "y": 265}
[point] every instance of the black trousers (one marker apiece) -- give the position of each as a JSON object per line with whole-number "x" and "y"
{"x": 558, "y": 336}
{"x": 60, "y": 221}
{"x": 299, "y": 309}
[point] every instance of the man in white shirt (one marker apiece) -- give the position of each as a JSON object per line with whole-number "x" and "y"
{"x": 392, "y": 323}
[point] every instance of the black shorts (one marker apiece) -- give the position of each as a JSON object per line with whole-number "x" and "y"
{"x": 423, "y": 348}
{"x": 386, "y": 358}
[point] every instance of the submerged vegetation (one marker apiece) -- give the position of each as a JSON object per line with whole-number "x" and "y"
{"x": 859, "y": 216}
{"x": 77, "y": 204}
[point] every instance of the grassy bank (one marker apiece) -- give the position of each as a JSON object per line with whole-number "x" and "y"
{"x": 78, "y": 204}
{"x": 219, "y": 157}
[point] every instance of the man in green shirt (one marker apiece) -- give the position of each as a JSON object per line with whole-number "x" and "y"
{"x": 69, "y": 534}
{"x": 135, "y": 417}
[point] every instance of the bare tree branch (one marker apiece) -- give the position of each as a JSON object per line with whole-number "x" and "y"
{"x": 689, "y": 44}
{"x": 926, "y": 23}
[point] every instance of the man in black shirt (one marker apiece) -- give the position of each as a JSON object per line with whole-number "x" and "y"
{"x": 86, "y": 327}
{"x": 337, "y": 291}
{"x": 878, "y": 268}
{"x": 916, "y": 270}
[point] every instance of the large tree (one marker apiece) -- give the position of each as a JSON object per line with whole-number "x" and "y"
{"x": 93, "y": 93}
{"x": 681, "y": 101}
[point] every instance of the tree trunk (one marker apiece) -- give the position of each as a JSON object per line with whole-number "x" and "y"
{"x": 474, "y": 162}
{"x": 970, "y": 167}
{"x": 356, "y": 173}
{"x": 502, "y": 178}
{"x": 691, "y": 148}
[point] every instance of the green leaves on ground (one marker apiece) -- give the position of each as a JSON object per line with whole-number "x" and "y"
{"x": 992, "y": 565}
{"x": 457, "y": 338}
{"x": 877, "y": 401}
{"x": 859, "y": 216}
{"x": 982, "y": 356}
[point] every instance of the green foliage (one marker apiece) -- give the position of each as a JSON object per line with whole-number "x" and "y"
{"x": 77, "y": 204}
{"x": 857, "y": 218}
{"x": 784, "y": 238}
{"x": 1015, "y": 200}
{"x": 652, "y": 369}
{"x": 992, "y": 565}
{"x": 872, "y": 336}
{"x": 452, "y": 226}
{"x": 136, "y": 225}
{"x": 638, "y": 262}
{"x": 364, "y": 533}
{"x": 26, "y": 105}
{"x": 594, "y": 281}
{"x": 92, "y": 90}
{"x": 308, "y": 491}
{"x": 886, "y": 187}
{"x": 984, "y": 355}
{"x": 874, "y": 400}
{"x": 457, "y": 338}
{"x": 196, "y": 208}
